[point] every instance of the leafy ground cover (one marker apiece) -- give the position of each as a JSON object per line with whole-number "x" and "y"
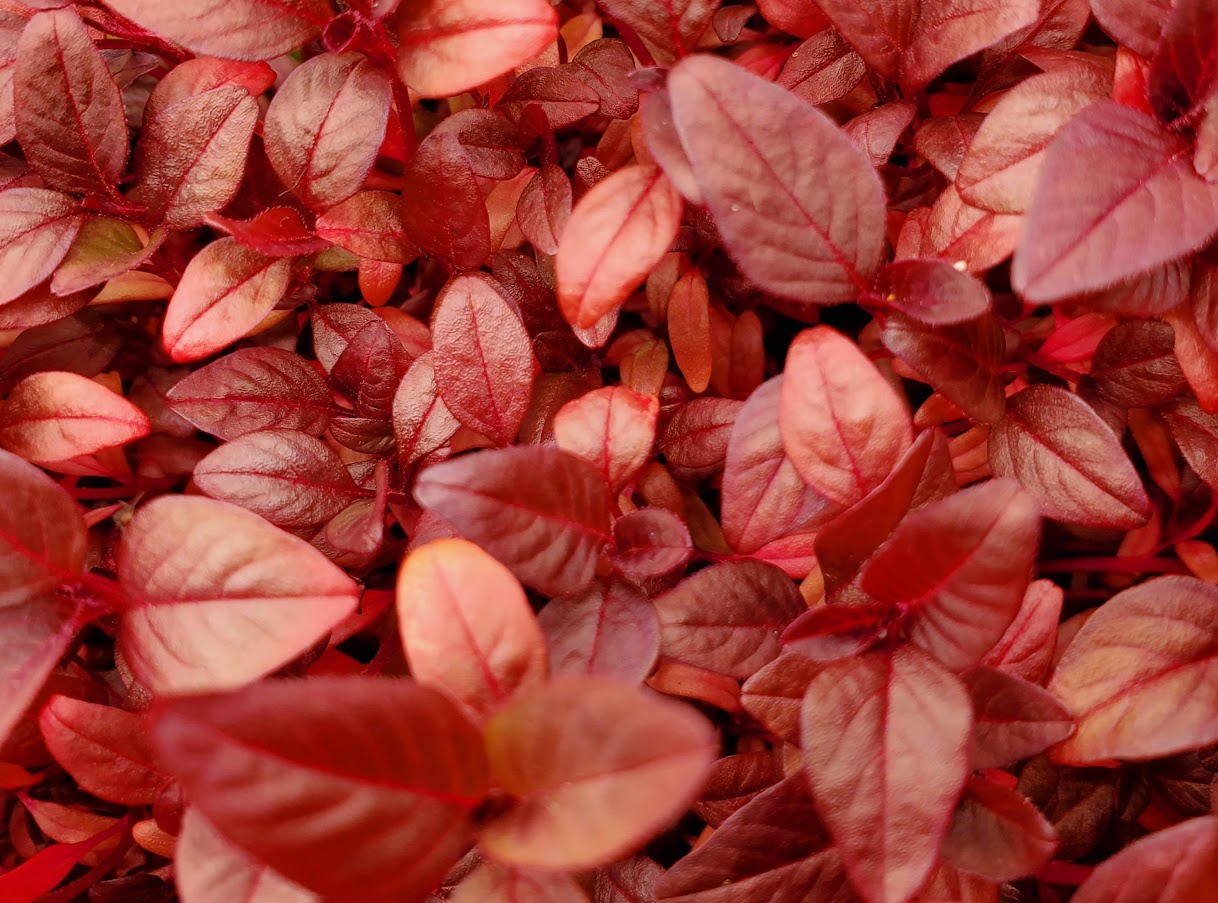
{"x": 513, "y": 451}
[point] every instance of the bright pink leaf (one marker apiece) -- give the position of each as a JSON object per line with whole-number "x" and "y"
{"x": 886, "y": 807}
{"x": 450, "y": 46}
{"x": 225, "y": 292}
{"x": 597, "y": 766}
{"x": 549, "y": 532}
{"x": 219, "y": 597}
{"x": 1141, "y": 676}
{"x": 843, "y": 425}
{"x": 1175, "y": 865}
{"x": 616, "y": 235}
{"x": 1068, "y": 459}
{"x": 1082, "y": 234}
{"x": 55, "y": 415}
{"x": 761, "y": 157}
{"x": 728, "y": 617}
{"x": 332, "y": 781}
{"x": 466, "y": 625}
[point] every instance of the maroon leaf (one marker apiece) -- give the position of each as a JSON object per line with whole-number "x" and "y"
{"x": 630, "y": 881}
{"x": 370, "y": 369}
{"x": 843, "y": 425}
{"x": 827, "y": 633}
{"x": 37, "y": 227}
{"x": 219, "y": 597}
{"x": 958, "y": 569}
{"x": 997, "y": 833}
{"x": 1175, "y": 865}
{"x": 1013, "y": 719}
{"x": 606, "y": 65}
{"x": 484, "y": 366}
{"x": 610, "y": 629}
{"x": 253, "y": 389}
{"x": 561, "y": 94}
{"x": 379, "y": 778}
{"x": 734, "y": 782}
{"x": 1184, "y": 71}
{"x": 442, "y": 207}
{"x": 1027, "y": 648}
{"x": 944, "y": 141}
{"x": 650, "y": 542}
{"x": 764, "y": 498}
{"x": 1083, "y": 235}
{"x": 696, "y": 439}
{"x": 728, "y": 617}
{"x": 549, "y": 533}
{"x": 450, "y": 46}
{"x": 933, "y": 291}
{"x": 597, "y": 767}
{"x": 325, "y": 126}
{"x": 467, "y": 627}
{"x": 1068, "y": 459}
{"x": 422, "y": 423}
{"x": 83, "y": 343}
{"x": 545, "y": 208}
{"x": 236, "y": 29}
{"x": 192, "y": 154}
{"x": 494, "y": 145}
{"x": 887, "y": 810}
{"x": 225, "y": 292}
{"x": 760, "y": 156}
{"x": 667, "y": 29}
{"x": 1135, "y": 365}
{"x": 823, "y": 68}
{"x": 369, "y": 224}
{"x": 1139, "y": 676}
{"x": 70, "y": 122}
{"x": 42, "y": 536}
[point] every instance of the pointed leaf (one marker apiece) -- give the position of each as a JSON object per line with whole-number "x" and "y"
{"x": 1141, "y": 676}
{"x": 466, "y": 625}
{"x": 545, "y": 208}
{"x": 1026, "y": 649}
{"x": 219, "y": 597}
{"x": 333, "y": 782}
{"x": 761, "y": 157}
{"x": 370, "y": 225}
{"x": 1013, "y": 719}
{"x": 843, "y": 425}
{"x": 887, "y": 810}
{"x": 37, "y": 227}
{"x": 549, "y": 533}
{"x": 997, "y": 833}
{"x": 1068, "y": 459}
{"x": 422, "y": 423}
{"x": 598, "y": 767}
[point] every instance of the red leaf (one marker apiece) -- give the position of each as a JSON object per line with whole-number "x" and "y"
{"x": 944, "y": 141}
{"x": 36, "y": 634}
{"x": 37, "y": 227}
{"x": 209, "y": 868}
{"x": 545, "y": 208}
{"x": 695, "y": 440}
{"x": 1135, "y": 365}
{"x": 422, "y": 423}
{"x": 914, "y": 44}
{"x": 369, "y": 224}
{"x": 613, "y": 428}
{"x": 630, "y": 881}
{"x": 606, "y": 65}
{"x": 549, "y": 532}
{"x": 1083, "y": 234}
{"x": 775, "y": 848}
{"x": 598, "y": 767}
{"x": 494, "y": 144}
{"x": 53, "y": 415}
{"x": 1003, "y": 162}
{"x": 253, "y": 389}
{"x": 734, "y": 782}
{"x": 774, "y": 695}
{"x": 962, "y": 361}
{"x": 617, "y": 233}
{"x": 764, "y": 498}
{"x": 1026, "y": 649}
{"x": 689, "y": 329}
{"x": 35, "y": 878}
{"x": 667, "y": 29}
{"x": 70, "y": 121}
{"x": 325, "y": 126}
{"x": 997, "y": 833}
{"x": 1140, "y": 674}
{"x": 466, "y": 625}
{"x": 484, "y": 365}
{"x": 104, "y": 249}
{"x": 610, "y": 629}
{"x": 560, "y": 93}
{"x": 334, "y": 782}
{"x": 450, "y": 46}
{"x": 1065, "y": 455}
{"x": 442, "y": 206}
{"x": 104, "y": 749}
{"x": 827, "y": 633}
{"x": 887, "y": 810}
{"x": 277, "y": 232}
{"x": 234, "y": 29}
{"x": 83, "y": 343}
{"x": 933, "y": 291}
{"x": 219, "y": 597}
{"x": 878, "y": 131}
{"x": 823, "y": 68}
{"x": 958, "y": 569}
{"x": 42, "y": 535}
{"x": 1135, "y": 23}
{"x": 650, "y": 542}
{"x": 1013, "y": 719}
{"x": 843, "y": 425}
{"x": 292, "y": 479}
{"x": 192, "y": 154}
{"x": 1184, "y": 70}
{"x": 370, "y": 369}
{"x": 728, "y": 617}
{"x": 491, "y": 883}
{"x": 1176, "y": 865}
{"x": 761, "y": 157}
{"x": 225, "y": 292}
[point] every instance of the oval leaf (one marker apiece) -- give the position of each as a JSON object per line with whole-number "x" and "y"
{"x": 613, "y": 428}
{"x": 610, "y": 629}
{"x": 42, "y": 535}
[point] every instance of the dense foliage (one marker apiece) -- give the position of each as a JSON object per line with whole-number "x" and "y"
{"x": 608, "y": 451}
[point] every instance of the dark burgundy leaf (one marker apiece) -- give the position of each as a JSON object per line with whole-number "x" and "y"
{"x": 494, "y": 145}
{"x": 822, "y": 69}
{"x": 696, "y": 439}
{"x": 1135, "y": 365}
